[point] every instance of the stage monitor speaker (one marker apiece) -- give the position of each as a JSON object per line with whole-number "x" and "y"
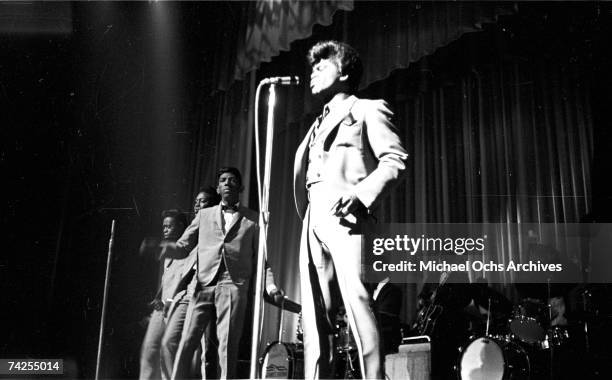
{"x": 412, "y": 362}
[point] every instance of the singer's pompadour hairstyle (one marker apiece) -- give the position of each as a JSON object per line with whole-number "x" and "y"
{"x": 347, "y": 59}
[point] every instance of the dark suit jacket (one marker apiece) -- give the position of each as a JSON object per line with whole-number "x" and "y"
{"x": 389, "y": 300}
{"x": 237, "y": 246}
{"x": 387, "y": 308}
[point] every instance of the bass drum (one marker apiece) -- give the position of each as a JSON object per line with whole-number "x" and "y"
{"x": 493, "y": 359}
{"x": 282, "y": 361}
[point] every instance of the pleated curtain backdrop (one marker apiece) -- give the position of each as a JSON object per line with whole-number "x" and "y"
{"x": 511, "y": 143}
{"x": 506, "y": 144}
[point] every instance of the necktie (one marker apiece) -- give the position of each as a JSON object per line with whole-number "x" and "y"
{"x": 318, "y": 122}
{"x": 228, "y": 208}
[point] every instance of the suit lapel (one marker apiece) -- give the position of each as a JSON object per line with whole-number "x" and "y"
{"x": 218, "y": 214}
{"x": 335, "y": 116}
{"x": 299, "y": 173}
{"x": 237, "y": 216}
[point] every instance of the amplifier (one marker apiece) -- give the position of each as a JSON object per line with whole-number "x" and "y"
{"x": 412, "y": 362}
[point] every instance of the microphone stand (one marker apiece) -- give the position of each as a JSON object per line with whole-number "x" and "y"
{"x": 111, "y": 243}
{"x": 280, "y": 324}
{"x": 264, "y": 196}
{"x": 488, "y": 319}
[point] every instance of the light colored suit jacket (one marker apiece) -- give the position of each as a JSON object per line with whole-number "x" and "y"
{"x": 172, "y": 277}
{"x": 237, "y": 246}
{"x": 175, "y": 281}
{"x": 362, "y": 152}
{"x": 175, "y": 277}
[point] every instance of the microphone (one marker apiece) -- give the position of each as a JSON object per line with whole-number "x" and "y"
{"x": 283, "y": 81}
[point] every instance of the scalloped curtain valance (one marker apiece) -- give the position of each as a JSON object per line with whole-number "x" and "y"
{"x": 273, "y": 24}
{"x": 393, "y": 34}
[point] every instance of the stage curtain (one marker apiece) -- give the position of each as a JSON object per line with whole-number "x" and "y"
{"x": 509, "y": 143}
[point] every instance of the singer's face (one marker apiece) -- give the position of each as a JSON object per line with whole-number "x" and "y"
{"x": 326, "y": 78}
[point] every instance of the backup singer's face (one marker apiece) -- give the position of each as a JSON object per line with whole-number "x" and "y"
{"x": 326, "y": 79}
{"x": 203, "y": 200}
{"x": 229, "y": 188}
{"x": 170, "y": 228}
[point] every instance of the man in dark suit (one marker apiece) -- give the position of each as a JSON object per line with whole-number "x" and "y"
{"x": 349, "y": 159}
{"x": 227, "y": 241}
{"x": 387, "y": 306}
{"x": 174, "y": 223}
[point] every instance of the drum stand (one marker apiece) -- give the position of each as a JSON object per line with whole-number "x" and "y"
{"x": 349, "y": 372}
{"x": 584, "y": 296}
{"x": 349, "y": 369}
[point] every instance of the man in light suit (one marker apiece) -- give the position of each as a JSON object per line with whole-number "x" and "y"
{"x": 227, "y": 240}
{"x": 348, "y": 161}
{"x": 174, "y": 223}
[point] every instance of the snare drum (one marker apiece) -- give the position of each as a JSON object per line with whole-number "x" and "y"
{"x": 529, "y": 322}
{"x": 282, "y": 361}
{"x": 493, "y": 359}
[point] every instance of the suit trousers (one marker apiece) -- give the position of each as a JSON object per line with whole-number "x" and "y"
{"x": 224, "y": 304}
{"x": 330, "y": 263}
{"x": 150, "y": 362}
{"x": 172, "y": 337}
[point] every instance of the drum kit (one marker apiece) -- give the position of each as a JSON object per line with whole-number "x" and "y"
{"x": 511, "y": 346}
{"x": 509, "y": 353}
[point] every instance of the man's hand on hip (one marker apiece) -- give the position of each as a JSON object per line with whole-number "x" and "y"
{"x": 347, "y": 204}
